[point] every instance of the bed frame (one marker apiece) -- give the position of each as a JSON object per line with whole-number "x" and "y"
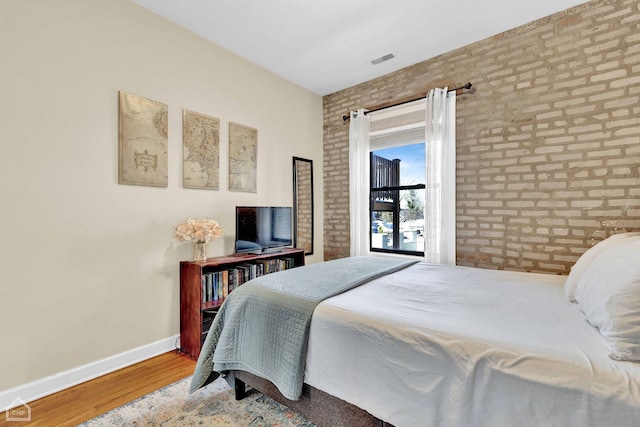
{"x": 315, "y": 405}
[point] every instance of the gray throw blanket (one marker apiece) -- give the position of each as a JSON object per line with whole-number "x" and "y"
{"x": 263, "y": 326}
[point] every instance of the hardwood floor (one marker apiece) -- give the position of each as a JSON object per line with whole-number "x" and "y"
{"x": 92, "y": 398}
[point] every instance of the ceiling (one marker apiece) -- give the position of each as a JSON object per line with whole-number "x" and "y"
{"x": 328, "y": 45}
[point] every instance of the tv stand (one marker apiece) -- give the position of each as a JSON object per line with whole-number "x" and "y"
{"x": 266, "y": 251}
{"x": 273, "y": 250}
{"x": 197, "y": 310}
{"x": 245, "y": 254}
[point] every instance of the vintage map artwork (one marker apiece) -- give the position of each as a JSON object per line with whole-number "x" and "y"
{"x": 243, "y": 158}
{"x": 142, "y": 139}
{"x": 200, "y": 151}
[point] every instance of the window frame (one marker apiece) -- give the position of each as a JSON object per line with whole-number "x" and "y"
{"x": 372, "y": 190}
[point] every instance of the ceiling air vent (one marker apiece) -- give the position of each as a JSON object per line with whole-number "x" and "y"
{"x": 386, "y": 57}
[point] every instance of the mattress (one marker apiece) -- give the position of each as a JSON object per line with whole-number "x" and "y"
{"x": 436, "y": 345}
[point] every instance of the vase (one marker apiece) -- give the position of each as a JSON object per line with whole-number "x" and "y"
{"x": 200, "y": 251}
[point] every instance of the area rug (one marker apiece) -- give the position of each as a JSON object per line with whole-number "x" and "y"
{"x": 213, "y": 405}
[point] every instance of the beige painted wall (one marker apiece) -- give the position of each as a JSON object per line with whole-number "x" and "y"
{"x": 87, "y": 266}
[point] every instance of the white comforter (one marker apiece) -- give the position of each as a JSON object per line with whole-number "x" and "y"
{"x": 436, "y": 345}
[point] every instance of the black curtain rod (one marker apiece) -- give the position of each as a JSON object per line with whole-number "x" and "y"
{"x": 464, "y": 86}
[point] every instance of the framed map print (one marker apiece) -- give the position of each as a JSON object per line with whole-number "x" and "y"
{"x": 200, "y": 151}
{"x": 142, "y": 141}
{"x": 243, "y": 158}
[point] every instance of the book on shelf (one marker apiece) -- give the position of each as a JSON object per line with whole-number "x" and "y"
{"x": 203, "y": 288}
{"x": 225, "y": 283}
{"x": 217, "y": 285}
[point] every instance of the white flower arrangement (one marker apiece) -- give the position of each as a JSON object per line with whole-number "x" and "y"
{"x": 199, "y": 230}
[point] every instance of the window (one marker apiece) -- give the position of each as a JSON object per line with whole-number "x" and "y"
{"x": 397, "y": 199}
{"x": 392, "y": 127}
{"x": 397, "y": 183}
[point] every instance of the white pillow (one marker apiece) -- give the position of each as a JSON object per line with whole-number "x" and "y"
{"x": 585, "y": 260}
{"x": 608, "y": 294}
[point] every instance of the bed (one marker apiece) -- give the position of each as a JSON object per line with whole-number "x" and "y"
{"x": 439, "y": 345}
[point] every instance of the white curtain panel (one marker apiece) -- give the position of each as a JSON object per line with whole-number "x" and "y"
{"x": 440, "y": 181}
{"x": 359, "y": 126}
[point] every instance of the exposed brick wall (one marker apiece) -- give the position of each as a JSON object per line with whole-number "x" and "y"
{"x": 548, "y": 140}
{"x": 303, "y": 194}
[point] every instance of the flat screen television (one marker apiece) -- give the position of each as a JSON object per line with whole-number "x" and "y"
{"x": 262, "y": 229}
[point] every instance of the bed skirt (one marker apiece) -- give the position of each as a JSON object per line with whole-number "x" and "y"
{"x": 315, "y": 405}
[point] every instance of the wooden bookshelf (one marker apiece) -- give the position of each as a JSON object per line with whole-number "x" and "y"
{"x": 197, "y": 311}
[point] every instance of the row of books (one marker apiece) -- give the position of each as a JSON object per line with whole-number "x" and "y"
{"x": 218, "y": 284}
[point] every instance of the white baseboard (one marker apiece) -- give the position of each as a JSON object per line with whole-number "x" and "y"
{"x": 53, "y": 383}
